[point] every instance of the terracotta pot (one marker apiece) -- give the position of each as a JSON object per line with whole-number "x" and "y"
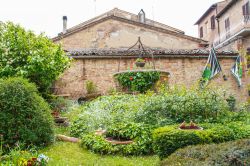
{"x": 190, "y": 128}
{"x": 140, "y": 64}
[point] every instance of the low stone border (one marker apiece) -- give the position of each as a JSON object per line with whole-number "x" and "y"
{"x": 67, "y": 139}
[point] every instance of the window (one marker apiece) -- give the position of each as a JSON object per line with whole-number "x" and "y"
{"x": 245, "y": 9}
{"x": 227, "y": 27}
{"x": 212, "y": 19}
{"x": 201, "y": 32}
{"x": 246, "y": 12}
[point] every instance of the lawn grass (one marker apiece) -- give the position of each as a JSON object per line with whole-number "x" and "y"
{"x": 71, "y": 154}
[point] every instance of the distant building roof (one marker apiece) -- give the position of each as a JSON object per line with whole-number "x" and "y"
{"x": 130, "y": 18}
{"x": 231, "y": 3}
{"x": 125, "y": 53}
{"x": 211, "y": 8}
{"x": 219, "y": 6}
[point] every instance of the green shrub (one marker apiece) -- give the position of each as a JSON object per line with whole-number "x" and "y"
{"x": 166, "y": 108}
{"x": 139, "y": 133}
{"x": 91, "y": 87}
{"x": 234, "y": 153}
{"x": 105, "y": 111}
{"x": 181, "y": 104}
{"x": 168, "y": 139}
{"x": 59, "y": 104}
{"x": 24, "y": 115}
{"x": 138, "y": 81}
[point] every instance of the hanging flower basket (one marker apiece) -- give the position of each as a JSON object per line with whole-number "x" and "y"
{"x": 140, "y": 64}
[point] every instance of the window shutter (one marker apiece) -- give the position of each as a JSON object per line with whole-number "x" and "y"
{"x": 247, "y": 8}
{"x": 243, "y": 10}
{"x": 212, "y": 22}
{"x": 201, "y": 32}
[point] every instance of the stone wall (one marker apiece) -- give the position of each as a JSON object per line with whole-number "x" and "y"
{"x": 183, "y": 71}
{"x": 117, "y": 34}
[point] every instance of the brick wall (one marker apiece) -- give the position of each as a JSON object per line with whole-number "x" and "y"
{"x": 183, "y": 71}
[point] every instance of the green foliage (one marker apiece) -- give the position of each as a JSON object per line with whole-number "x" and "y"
{"x": 232, "y": 153}
{"x": 59, "y": 103}
{"x": 231, "y": 102}
{"x": 168, "y": 139}
{"x": 181, "y": 104}
{"x": 105, "y": 111}
{"x": 24, "y": 115}
{"x": 140, "y": 60}
{"x": 138, "y": 81}
{"x": 139, "y": 133}
{"x": 22, "y": 53}
{"x": 90, "y": 87}
{"x": 19, "y": 157}
{"x": 166, "y": 108}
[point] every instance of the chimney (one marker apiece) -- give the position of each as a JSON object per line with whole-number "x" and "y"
{"x": 141, "y": 16}
{"x": 64, "y": 24}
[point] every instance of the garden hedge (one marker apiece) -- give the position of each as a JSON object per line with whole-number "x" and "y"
{"x": 138, "y": 133}
{"x": 168, "y": 139}
{"x": 165, "y": 108}
{"x": 233, "y": 153}
{"x": 24, "y": 115}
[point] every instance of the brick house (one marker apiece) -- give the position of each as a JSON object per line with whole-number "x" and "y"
{"x": 99, "y": 45}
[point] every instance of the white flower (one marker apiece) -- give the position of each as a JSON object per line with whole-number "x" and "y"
{"x": 42, "y": 157}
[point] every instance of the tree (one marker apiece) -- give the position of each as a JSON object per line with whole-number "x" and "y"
{"x": 35, "y": 57}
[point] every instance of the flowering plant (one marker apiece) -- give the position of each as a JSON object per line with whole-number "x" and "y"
{"x": 138, "y": 81}
{"x": 140, "y": 60}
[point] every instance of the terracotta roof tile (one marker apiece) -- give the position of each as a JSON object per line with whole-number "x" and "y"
{"x": 124, "y": 52}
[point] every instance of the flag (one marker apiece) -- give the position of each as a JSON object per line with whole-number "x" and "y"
{"x": 236, "y": 70}
{"x": 211, "y": 69}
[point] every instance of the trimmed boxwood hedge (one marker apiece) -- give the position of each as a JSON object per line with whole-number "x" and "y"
{"x": 139, "y": 133}
{"x": 168, "y": 139}
{"x": 233, "y": 153}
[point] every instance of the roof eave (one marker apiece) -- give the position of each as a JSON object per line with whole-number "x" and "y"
{"x": 212, "y": 7}
{"x": 226, "y": 8}
{"x": 61, "y": 35}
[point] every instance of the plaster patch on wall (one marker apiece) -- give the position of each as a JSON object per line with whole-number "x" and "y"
{"x": 101, "y": 34}
{"x": 114, "y": 34}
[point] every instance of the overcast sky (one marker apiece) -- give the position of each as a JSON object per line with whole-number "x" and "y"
{"x": 46, "y": 15}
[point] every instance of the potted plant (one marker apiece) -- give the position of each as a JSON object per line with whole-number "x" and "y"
{"x": 140, "y": 62}
{"x": 192, "y": 126}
